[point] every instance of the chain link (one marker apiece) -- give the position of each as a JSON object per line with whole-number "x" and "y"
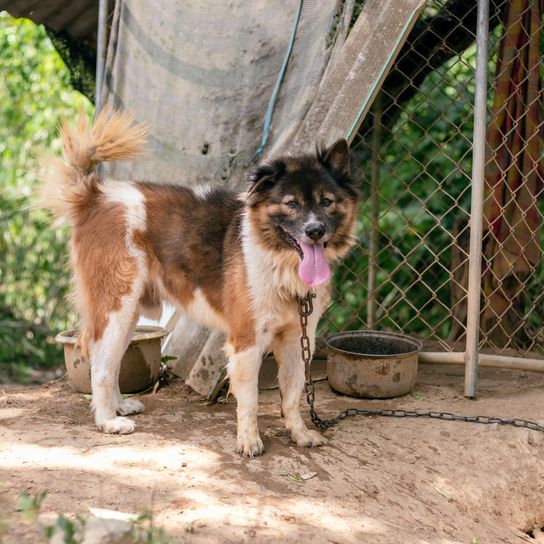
{"x": 305, "y": 309}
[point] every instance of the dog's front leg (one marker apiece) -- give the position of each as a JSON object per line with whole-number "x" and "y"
{"x": 243, "y": 370}
{"x": 291, "y": 380}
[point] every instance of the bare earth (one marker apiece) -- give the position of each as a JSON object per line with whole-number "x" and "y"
{"x": 381, "y": 479}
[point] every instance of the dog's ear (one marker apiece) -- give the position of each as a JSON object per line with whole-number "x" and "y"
{"x": 336, "y": 160}
{"x": 263, "y": 178}
{"x": 336, "y": 157}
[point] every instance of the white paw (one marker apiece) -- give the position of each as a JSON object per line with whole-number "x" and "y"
{"x": 129, "y": 406}
{"x": 249, "y": 444}
{"x": 309, "y": 439}
{"x": 117, "y": 425}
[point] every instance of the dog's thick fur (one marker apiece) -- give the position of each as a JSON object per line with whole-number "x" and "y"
{"x": 229, "y": 260}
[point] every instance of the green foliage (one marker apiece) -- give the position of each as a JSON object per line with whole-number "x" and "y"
{"x": 30, "y": 506}
{"x": 72, "y": 531}
{"x": 35, "y": 93}
{"x": 144, "y": 532}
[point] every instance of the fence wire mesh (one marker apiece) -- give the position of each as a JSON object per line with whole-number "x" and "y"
{"x": 413, "y": 155}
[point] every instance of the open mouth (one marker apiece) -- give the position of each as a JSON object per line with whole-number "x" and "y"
{"x": 291, "y": 241}
{"x": 314, "y": 269}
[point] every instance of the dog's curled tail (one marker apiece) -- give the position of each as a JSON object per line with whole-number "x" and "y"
{"x": 70, "y": 182}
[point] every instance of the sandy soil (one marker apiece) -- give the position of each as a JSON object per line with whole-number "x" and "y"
{"x": 381, "y": 480}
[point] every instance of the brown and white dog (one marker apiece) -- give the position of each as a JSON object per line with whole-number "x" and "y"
{"x": 233, "y": 261}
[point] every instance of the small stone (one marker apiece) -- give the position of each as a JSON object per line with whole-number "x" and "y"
{"x": 106, "y": 531}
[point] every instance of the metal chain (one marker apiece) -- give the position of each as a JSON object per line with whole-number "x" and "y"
{"x": 305, "y": 308}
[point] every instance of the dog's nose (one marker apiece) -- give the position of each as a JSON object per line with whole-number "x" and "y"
{"x": 315, "y": 231}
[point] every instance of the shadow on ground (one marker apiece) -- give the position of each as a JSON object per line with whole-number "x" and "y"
{"x": 381, "y": 480}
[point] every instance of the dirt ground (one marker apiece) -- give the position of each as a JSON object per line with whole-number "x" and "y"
{"x": 381, "y": 479}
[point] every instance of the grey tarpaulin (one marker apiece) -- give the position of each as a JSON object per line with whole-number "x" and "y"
{"x": 201, "y": 74}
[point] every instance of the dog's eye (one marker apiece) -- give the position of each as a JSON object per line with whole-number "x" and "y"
{"x": 326, "y": 202}
{"x": 293, "y": 204}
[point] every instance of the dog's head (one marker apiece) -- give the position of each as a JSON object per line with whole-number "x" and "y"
{"x": 306, "y": 204}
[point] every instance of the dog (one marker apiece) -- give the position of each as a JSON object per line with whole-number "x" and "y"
{"x": 235, "y": 261}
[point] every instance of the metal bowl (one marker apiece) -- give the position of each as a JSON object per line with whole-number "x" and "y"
{"x": 140, "y": 365}
{"x": 372, "y": 364}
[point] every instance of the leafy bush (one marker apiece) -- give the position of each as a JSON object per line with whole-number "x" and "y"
{"x": 35, "y": 93}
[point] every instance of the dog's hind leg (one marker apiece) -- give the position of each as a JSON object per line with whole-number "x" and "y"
{"x": 106, "y": 355}
{"x": 125, "y": 407}
{"x": 243, "y": 371}
{"x": 287, "y": 353}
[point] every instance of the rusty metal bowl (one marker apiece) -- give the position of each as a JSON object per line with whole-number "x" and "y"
{"x": 372, "y": 364}
{"x": 140, "y": 365}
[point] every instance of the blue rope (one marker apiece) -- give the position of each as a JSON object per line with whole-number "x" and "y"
{"x": 275, "y": 92}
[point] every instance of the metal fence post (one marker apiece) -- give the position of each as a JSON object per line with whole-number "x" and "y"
{"x": 375, "y": 205}
{"x": 100, "y": 53}
{"x": 477, "y": 202}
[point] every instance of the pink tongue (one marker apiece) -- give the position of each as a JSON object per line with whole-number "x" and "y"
{"x": 314, "y": 268}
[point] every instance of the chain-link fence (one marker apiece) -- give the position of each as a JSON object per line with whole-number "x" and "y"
{"x": 414, "y": 156}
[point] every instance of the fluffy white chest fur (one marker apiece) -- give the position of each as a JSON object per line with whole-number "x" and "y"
{"x": 274, "y": 287}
